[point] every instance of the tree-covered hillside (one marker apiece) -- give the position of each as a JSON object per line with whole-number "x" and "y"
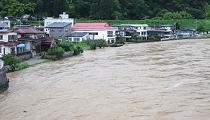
{"x": 109, "y": 9}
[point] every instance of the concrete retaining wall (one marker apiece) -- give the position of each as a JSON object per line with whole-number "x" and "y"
{"x": 25, "y": 56}
{"x": 4, "y": 82}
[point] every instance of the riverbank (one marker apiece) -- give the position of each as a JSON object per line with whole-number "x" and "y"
{"x": 39, "y": 60}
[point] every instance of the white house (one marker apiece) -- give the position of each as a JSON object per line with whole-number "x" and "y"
{"x": 63, "y": 18}
{"x": 140, "y": 29}
{"x": 8, "y": 42}
{"x": 5, "y": 24}
{"x": 77, "y": 36}
{"x": 97, "y": 30}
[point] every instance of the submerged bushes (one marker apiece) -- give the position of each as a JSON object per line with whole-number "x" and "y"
{"x": 93, "y": 44}
{"x": 22, "y": 65}
{"x": 13, "y": 64}
{"x": 67, "y": 46}
{"x": 57, "y": 51}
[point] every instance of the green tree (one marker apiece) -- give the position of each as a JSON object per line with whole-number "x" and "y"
{"x": 11, "y": 62}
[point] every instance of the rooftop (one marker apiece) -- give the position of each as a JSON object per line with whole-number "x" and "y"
{"x": 77, "y": 34}
{"x": 10, "y": 43}
{"x": 29, "y": 31}
{"x": 5, "y": 31}
{"x": 136, "y": 25}
{"x": 58, "y": 25}
{"x": 92, "y": 25}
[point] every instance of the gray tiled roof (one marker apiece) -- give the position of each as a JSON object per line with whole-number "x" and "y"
{"x": 77, "y": 34}
{"x": 58, "y": 25}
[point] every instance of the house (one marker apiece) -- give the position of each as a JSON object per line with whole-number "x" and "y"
{"x": 35, "y": 41}
{"x": 77, "y": 36}
{"x": 166, "y": 32}
{"x": 168, "y": 28}
{"x": 37, "y": 26}
{"x": 140, "y": 29}
{"x": 186, "y": 32}
{"x": 59, "y": 30}
{"x": 8, "y": 42}
{"x": 5, "y": 24}
{"x": 63, "y": 18}
{"x": 129, "y": 30}
{"x": 97, "y": 30}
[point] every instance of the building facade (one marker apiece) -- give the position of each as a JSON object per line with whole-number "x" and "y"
{"x": 58, "y": 30}
{"x": 63, "y": 18}
{"x": 129, "y": 30}
{"x": 5, "y": 24}
{"x": 8, "y": 42}
{"x": 97, "y": 30}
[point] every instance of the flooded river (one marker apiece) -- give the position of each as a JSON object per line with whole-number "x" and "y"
{"x": 148, "y": 81}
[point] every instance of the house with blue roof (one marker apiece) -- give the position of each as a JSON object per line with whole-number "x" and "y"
{"x": 58, "y": 30}
{"x": 77, "y": 36}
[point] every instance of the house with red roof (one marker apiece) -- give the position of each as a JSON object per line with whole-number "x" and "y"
{"x": 96, "y": 30}
{"x": 8, "y": 42}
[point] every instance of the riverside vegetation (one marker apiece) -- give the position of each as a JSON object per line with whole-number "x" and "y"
{"x": 14, "y": 64}
{"x": 77, "y": 48}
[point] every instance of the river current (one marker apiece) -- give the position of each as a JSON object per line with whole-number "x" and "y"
{"x": 148, "y": 81}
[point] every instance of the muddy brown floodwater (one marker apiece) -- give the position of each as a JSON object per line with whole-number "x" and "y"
{"x": 148, "y": 81}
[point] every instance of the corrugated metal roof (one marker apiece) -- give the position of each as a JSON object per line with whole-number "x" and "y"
{"x": 58, "y": 25}
{"x": 77, "y": 34}
{"x": 91, "y": 25}
{"x": 29, "y": 31}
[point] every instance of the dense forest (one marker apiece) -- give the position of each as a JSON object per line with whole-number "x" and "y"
{"x": 109, "y": 9}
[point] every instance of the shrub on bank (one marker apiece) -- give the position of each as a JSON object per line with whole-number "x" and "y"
{"x": 101, "y": 43}
{"x": 67, "y": 46}
{"x": 78, "y": 49}
{"x": 120, "y": 40}
{"x": 11, "y": 62}
{"x": 154, "y": 38}
{"x": 57, "y": 51}
{"x": 93, "y": 44}
{"x": 84, "y": 45}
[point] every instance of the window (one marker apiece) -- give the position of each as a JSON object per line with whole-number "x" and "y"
{"x": 70, "y": 39}
{"x": 0, "y": 49}
{"x": 145, "y": 28}
{"x": 76, "y": 39}
{"x": 110, "y": 33}
{"x": 143, "y": 33}
{"x": 93, "y": 33}
{"x": 1, "y": 37}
